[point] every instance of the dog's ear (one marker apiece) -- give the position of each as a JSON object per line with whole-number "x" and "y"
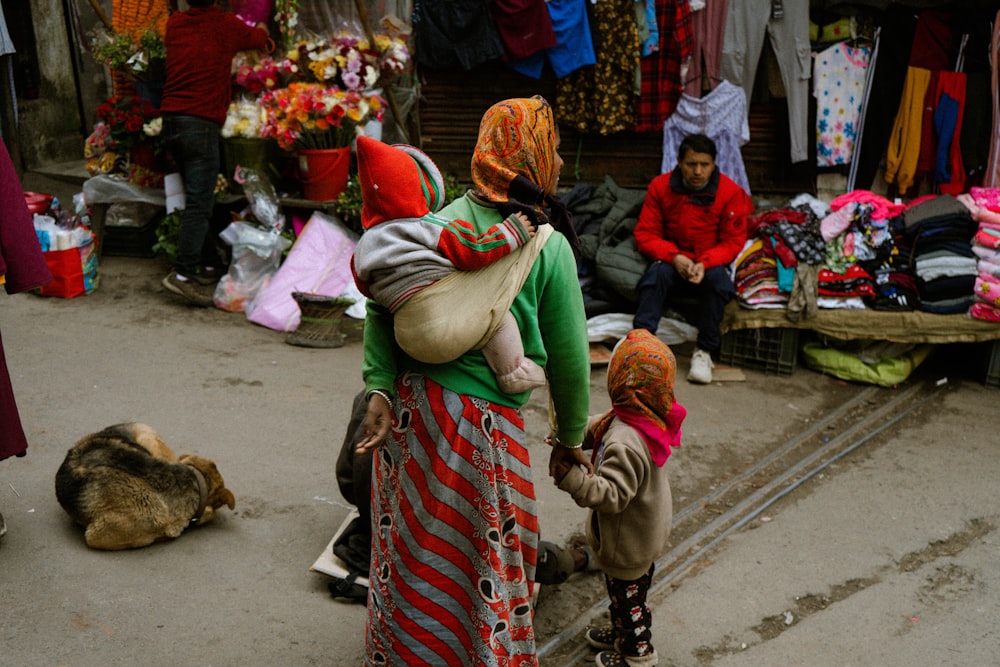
{"x": 227, "y": 497}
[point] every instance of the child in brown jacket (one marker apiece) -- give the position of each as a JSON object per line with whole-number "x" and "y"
{"x": 629, "y": 494}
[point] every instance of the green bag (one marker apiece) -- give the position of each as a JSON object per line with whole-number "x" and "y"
{"x": 857, "y": 366}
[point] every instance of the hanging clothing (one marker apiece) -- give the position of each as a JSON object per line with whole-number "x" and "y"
{"x": 747, "y": 23}
{"x": 992, "y": 177}
{"x": 574, "y": 47}
{"x": 525, "y": 26}
{"x": 660, "y": 82}
{"x": 651, "y": 34}
{"x": 601, "y": 99}
{"x": 888, "y": 65}
{"x": 461, "y": 32}
{"x": 721, "y": 115}
{"x": 6, "y": 44}
{"x": 948, "y": 168}
{"x": 903, "y": 151}
{"x": 708, "y": 28}
{"x": 839, "y": 75}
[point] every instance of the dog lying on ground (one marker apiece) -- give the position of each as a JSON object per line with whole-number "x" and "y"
{"x": 128, "y": 489}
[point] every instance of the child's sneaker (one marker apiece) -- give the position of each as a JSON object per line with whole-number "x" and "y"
{"x": 616, "y": 659}
{"x": 602, "y": 638}
{"x": 610, "y": 659}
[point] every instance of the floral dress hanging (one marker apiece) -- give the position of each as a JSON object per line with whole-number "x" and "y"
{"x": 601, "y": 99}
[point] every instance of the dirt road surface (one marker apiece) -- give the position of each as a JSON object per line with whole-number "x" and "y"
{"x": 817, "y": 522}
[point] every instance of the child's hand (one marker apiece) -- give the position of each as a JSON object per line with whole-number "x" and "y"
{"x": 563, "y": 459}
{"x": 526, "y": 223}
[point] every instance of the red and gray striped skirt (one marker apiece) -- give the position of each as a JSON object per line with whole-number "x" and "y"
{"x": 455, "y": 534}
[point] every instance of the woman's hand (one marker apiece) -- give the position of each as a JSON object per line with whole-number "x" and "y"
{"x": 562, "y": 459}
{"x": 378, "y": 421}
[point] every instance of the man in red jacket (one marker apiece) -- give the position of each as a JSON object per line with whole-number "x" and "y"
{"x": 692, "y": 226}
{"x": 201, "y": 43}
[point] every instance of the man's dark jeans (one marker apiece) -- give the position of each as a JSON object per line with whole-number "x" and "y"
{"x": 194, "y": 144}
{"x": 713, "y": 293}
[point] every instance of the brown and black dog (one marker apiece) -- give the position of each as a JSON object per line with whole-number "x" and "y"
{"x": 128, "y": 489}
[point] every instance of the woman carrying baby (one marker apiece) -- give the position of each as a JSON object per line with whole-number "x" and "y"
{"x": 455, "y": 527}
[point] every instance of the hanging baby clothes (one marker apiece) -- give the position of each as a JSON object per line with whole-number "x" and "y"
{"x": 660, "y": 72}
{"x": 601, "y": 99}
{"x": 839, "y": 77}
{"x": 747, "y": 23}
{"x": 721, "y": 115}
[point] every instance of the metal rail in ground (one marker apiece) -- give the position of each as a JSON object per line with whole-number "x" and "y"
{"x": 568, "y": 647}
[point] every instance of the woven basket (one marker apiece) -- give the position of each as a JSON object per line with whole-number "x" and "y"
{"x": 319, "y": 325}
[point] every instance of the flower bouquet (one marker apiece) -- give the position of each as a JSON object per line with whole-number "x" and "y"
{"x": 313, "y": 116}
{"x": 245, "y": 118}
{"x": 141, "y": 57}
{"x": 126, "y": 140}
{"x": 347, "y": 61}
{"x": 125, "y": 118}
{"x": 257, "y": 74}
{"x": 243, "y": 145}
{"x": 286, "y": 16}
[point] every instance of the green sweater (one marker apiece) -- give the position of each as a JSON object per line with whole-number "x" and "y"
{"x": 549, "y": 313}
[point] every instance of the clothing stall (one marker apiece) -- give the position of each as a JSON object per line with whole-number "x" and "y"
{"x": 884, "y": 104}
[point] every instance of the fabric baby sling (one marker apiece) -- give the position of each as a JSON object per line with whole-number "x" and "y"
{"x": 462, "y": 311}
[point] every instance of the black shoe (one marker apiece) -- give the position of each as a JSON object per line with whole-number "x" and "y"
{"x": 196, "y": 294}
{"x": 209, "y": 275}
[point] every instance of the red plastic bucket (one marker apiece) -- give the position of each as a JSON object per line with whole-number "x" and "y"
{"x": 324, "y": 172}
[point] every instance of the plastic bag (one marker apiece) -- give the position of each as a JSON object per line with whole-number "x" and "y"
{"x": 74, "y": 270}
{"x": 319, "y": 263}
{"x": 882, "y": 366}
{"x": 263, "y": 200}
{"x": 256, "y": 257}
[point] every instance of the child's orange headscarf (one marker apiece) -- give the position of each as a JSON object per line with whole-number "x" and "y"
{"x": 641, "y": 386}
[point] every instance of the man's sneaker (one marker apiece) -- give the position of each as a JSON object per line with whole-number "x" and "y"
{"x": 603, "y": 638}
{"x": 196, "y": 294}
{"x": 701, "y": 367}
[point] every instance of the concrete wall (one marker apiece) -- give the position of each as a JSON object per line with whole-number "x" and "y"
{"x": 53, "y": 127}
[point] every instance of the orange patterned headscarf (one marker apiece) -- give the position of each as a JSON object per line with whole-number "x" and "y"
{"x": 641, "y": 386}
{"x": 517, "y": 137}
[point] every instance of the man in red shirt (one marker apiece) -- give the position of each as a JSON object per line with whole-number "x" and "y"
{"x": 201, "y": 43}
{"x": 692, "y": 226}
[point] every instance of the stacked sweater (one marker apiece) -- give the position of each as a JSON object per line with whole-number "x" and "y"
{"x": 984, "y": 206}
{"x": 940, "y": 230}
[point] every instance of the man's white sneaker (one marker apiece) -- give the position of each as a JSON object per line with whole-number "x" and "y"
{"x": 701, "y": 367}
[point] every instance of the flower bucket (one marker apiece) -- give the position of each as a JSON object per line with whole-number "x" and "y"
{"x": 324, "y": 171}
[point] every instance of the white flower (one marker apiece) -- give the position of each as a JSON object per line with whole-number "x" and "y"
{"x": 153, "y": 127}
